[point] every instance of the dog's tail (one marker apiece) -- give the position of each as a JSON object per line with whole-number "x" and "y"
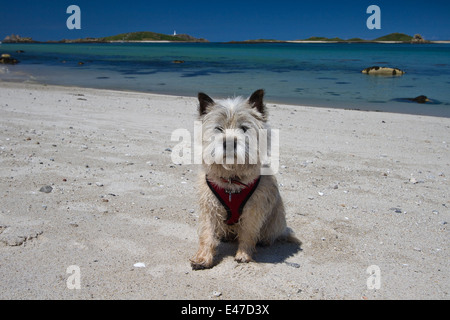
{"x": 289, "y": 236}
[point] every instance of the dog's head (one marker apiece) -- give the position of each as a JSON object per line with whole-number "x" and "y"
{"x": 231, "y": 130}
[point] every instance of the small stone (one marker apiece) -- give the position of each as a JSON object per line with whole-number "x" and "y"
{"x": 293, "y": 264}
{"x": 46, "y": 189}
{"x": 139, "y": 265}
{"x": 99, "y": 184}
{"x": 217, "y": 293}
{"x": 412, "y": 180}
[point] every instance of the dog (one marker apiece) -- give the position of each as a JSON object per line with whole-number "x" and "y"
{"x": 236, "y": 201}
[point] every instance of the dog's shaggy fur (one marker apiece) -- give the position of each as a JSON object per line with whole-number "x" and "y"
{"x": 263, "y": 216}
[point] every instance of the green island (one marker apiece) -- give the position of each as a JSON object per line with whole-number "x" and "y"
{"x": 151, "y": 36}
{"x": 397, "y": 37}
{"x": 141, "y": 36}
{"x": 390, "y": 38}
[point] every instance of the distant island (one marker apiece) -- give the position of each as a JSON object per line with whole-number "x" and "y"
{"x": 397, "y": 37}
{"x": 390, "y": 38}
{"x": 142, "y": 36}
{"x": 147, "y": 36}
{"x": 151, "y": 36}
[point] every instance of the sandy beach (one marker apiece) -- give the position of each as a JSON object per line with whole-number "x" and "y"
{"x": 87, "y": 182}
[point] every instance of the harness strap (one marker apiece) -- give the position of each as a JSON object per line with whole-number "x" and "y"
{"x": 233, "y": 202}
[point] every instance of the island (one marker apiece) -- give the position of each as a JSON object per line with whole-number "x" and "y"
{"x": 390, "y": 38}
{"x": 141, "y": 36}
{"x": 147, "y": 36}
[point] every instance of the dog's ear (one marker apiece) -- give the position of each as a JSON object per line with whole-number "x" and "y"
{"x": 256, "y": 101}
{"x": 205, "y": 102}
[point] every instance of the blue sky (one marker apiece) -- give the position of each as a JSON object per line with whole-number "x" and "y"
{"x": 226, "y": 20}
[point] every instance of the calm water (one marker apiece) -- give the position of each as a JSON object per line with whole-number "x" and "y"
{"x": 303, "y": 74}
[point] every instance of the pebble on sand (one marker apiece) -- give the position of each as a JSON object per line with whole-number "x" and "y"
{"x": 139, "y": 265}
{"x": 46, "y": 189}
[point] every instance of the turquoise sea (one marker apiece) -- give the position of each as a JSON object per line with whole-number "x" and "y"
{"x": 327, "y": 75}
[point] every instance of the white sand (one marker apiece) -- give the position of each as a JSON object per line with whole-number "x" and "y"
{"x": 361, "y": 189}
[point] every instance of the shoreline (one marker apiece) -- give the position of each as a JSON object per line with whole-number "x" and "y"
{"x": 87, "y": 181}
{"x": 38, "y": 85}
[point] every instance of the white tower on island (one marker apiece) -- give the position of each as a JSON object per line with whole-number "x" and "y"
{"x": 174, "y": 32}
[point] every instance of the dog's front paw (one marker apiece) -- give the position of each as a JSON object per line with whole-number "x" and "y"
{"x": 199, "y": 264}
{"x": 243, "y": 257}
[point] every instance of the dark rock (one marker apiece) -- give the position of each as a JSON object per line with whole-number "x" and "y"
{"x": 420, "y": 99}
{"x": 46, "y": 189}
{"x": 292, "y": 264}
{"x": 7, "y": 59}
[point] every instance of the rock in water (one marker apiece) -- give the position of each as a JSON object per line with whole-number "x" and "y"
{"x": 420, "y": 99}
{"x": 384, "y": 71}
{"x": 7, "y": 59}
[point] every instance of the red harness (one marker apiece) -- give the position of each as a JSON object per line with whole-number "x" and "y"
{"x": 233, "y": 202}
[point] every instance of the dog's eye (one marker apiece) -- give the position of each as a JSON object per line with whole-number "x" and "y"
{"x": 244, "y": 128}
{"x": 220, "y": 129}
